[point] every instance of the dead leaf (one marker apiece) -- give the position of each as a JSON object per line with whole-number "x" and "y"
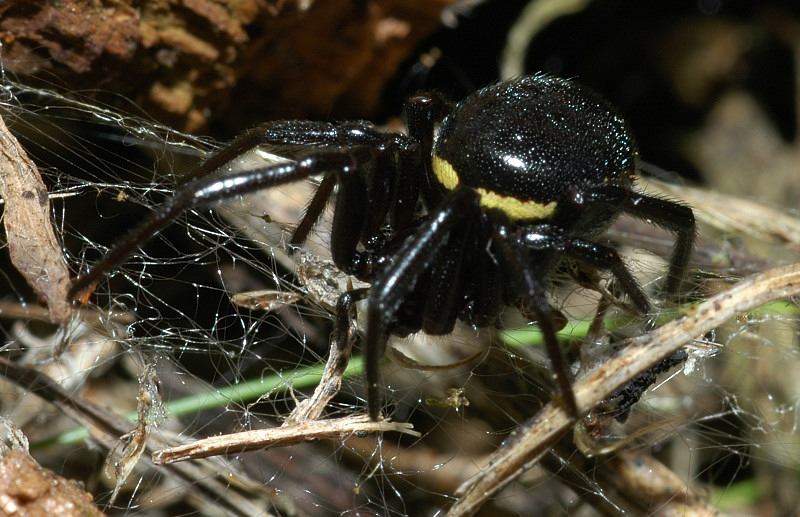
{"x": 32, "y": 242}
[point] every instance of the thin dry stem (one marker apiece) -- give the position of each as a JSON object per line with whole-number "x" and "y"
{"x": 534, "y": 437}
{"x": 336, "y": 429}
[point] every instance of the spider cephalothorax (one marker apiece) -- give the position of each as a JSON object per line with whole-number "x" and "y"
{"x": 466, "y": 214}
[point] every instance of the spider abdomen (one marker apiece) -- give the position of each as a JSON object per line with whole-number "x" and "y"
{"x": 526, "y": 145}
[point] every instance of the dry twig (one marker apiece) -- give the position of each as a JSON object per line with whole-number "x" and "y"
{"x": 533, "y": 438}
{"x": 279, "y": 437}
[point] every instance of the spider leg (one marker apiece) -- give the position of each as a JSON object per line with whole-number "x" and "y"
{"x": 313, "y": 210}
{"x": 286, "y": 136}
{"x": 345, "y": 307}
{"x": 240, "y": 145}
{"x": 424, "y": 110}
{"x": 527, "y": 284}
{"x": 292, "y": 139}
{"x": 484, "y": 288}
{"x": 387, "y": 186}
{"x": 210, "y": 189}
{"x": 606, "y": 258}
{"x": 671, "y": 216}
{"x": 597, "y": 255}
{"x": 445, "y": 290}
{"x": 390, "y": 289}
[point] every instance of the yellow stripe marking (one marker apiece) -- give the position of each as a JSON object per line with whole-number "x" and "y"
{"x": 445, "y": 173}
{"x": 515, "y": 209}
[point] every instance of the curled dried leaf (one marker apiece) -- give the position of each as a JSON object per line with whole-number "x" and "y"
{"x": 32, "y": 242}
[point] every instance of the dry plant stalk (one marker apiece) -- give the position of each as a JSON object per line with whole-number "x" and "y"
{"x": 533, "y": 438}
{"x": 336, "y": 429}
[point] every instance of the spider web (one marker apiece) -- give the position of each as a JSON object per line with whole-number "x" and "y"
{"x": 724, "y": 428}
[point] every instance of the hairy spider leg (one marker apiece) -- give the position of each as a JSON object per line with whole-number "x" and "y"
{"x": 348, "y": 147}
{"x": 448, "y": 278}
{"x": 284, "y": 136}
{"x": 313, "y": 211}
{"x": 486, "y": 289}
{"x": 205, "y": 190}
{"x": 423, "y": 112}
{"x": 675, "y": 218}
{"x": 670, "y": 216}
{"x": 345, "y": 315}
{"x": 248, "y": 140}
{"x": 526, "y": 284}
{"x": 400, "y": 278}
{"x": 541, "y": 238}
{"x": 382, "y": 190}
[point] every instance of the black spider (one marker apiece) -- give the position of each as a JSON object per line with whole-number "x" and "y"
{"x": 469, "y": 212}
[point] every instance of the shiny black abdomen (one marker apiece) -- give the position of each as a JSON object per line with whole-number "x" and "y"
{"x": 537, "y": 139}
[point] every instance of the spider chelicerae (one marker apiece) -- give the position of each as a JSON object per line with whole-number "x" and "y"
{"x": 469, "y": 212}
